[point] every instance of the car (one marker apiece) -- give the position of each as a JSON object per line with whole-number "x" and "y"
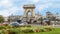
{"x": 15, "y": 24}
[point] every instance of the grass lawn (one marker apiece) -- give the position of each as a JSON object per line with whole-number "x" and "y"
{"x": 56, "y": 31}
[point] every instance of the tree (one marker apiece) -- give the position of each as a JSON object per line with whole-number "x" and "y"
{"x": 1, "y": 19}
{"x": 53, "y": 18}
{"x": 13, "y": 18}
{"x": 9, "y": 19}
{"x": 41, "y": 19}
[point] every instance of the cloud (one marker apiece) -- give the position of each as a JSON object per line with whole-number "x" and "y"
{"x": 5, "y": 3}
{"x": 7, "y": 7}
{"x": 35, "y": 1}
{"x": 43, "y": 6}
{"x": 10, "y": 11}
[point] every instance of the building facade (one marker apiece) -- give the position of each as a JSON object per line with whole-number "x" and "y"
{"x": 49, "y": 15}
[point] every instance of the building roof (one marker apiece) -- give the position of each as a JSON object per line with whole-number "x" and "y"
{"x": 48, "y": 12}
{"x": 29, "y": 5}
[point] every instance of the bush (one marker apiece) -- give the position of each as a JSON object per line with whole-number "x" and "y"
{"x": 27, "y": 30}
{"x": 15, "y": 31}
{"x": 11, "y": 31}
{"x": 49, "y": 28}
{"x": 1, "y": 31}
{"x": 6, "y": 31}
{"x": 44, "y": 30}
{"x": 25, "y": 25}
{"x": 36, "y": 30}
{"x": 2, "y": 27}
{"x": 9, "y": 26}
{"x": 24, "y": 29}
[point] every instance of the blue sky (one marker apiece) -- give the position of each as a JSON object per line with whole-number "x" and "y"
{"x": 8, "y": 7}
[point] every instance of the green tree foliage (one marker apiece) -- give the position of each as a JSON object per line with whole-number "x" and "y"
{"x": 9, "y": 19}
{"x": 53, "y": 18}
{"x": 41, "y": 19}
{"x": 1, "y": 19}
{"x": 13, "y": 18}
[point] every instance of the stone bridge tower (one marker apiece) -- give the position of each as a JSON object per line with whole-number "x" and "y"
{"x": 29, "y": 8}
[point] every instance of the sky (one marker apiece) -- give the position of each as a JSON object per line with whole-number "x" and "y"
{"x": 15, "y": 7}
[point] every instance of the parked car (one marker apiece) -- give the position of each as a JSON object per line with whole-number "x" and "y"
{"x": 15, "y": 24}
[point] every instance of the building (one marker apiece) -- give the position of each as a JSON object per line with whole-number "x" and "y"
{"x": 57, "y": 16}
{"x": 49, "y": 15}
